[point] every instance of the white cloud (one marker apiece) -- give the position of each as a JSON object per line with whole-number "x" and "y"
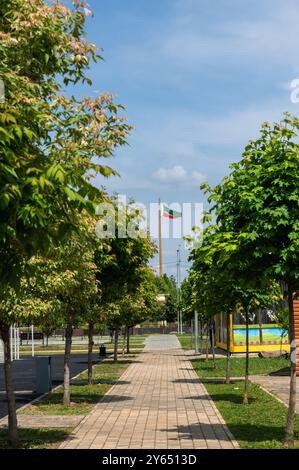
{"x": 174, "y": 134}
{"x": 171, "y": 175}
{"x": 181, "y": 147}
{"x": 178, "y": 174}
{"x": 198, "y": 81}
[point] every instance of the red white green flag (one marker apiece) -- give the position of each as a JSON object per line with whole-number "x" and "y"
{"x": 170, "y": 213}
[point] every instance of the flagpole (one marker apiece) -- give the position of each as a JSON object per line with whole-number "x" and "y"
{"x": 177, "y": 289}
{"x": 160, "y": 241}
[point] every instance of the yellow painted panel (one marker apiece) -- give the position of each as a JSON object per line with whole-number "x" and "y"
{"x": 255, "y": 347}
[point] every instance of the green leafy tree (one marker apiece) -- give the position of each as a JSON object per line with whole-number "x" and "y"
{"x": 134, "y": 308}
{"x": 222, "y": 285}
{"x": 15, "y": 306}
{"x": 258, "y": 204}
{"x": 95, "y": 319}
{"x": 122, "y": 266}
{"x": 186, "y": 299}
{"x": 67, "y": 276}
{"x": 168, "y": 311}
{"x": 282, "y": 318}
{"x": 49, "y": 144}
{"x": 145, "y": 306}
{"x": 211, "y": 290}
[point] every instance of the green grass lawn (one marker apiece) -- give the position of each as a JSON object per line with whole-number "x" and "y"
{"x": 36, "y": 438}
{"x": 83, "y": 396}
{"x": 257, "y": 366}
{"x": 188, "y": 341}
{"x": 260, "y": 424}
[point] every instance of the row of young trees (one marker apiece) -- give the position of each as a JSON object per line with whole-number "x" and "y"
{"x": 82, "y": 282}
{"x": 249, "y": 257}
{"x": 52, "y": 146}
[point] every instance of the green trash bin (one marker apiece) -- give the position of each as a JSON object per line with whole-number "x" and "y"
{"x": 43, "y": 374}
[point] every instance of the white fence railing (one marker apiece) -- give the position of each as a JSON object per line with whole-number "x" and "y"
{"x": 14, "y": 334}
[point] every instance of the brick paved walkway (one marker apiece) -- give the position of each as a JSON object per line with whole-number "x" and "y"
{"x": 158, "y": 403}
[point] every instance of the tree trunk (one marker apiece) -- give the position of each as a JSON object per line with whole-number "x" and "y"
{"x": 192, "y": 334}
{"x": 128, "y": 340}
{"x": 116, "y": 336}
{"x": 260, "y": 326}
{"x": 67, "y": 356}
{"x": 207, "y": 343}
{"x": 246, "y": 382}
{"x": 289, "y": 434}
{"x": 228, "y": 353}
{"x": 124, "y": 342}
{"x": 201, "y": 338}
{"x": 213, "y": 345}
{"x": 90, "y": 348}
{"x": 10, "y": 394}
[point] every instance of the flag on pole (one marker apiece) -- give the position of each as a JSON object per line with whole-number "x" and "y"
{"x": 170, "y": 213}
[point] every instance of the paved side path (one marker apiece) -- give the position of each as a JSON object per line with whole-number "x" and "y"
{"x": 159, "y": 402}
{"x": 278, "y": 385}
{"x": 48, "y": 421}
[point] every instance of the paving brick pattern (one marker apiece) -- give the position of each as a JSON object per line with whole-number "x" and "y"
{"x": 158, "y": 403}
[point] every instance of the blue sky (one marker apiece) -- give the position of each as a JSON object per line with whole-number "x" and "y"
{"x": 197, "y": 79}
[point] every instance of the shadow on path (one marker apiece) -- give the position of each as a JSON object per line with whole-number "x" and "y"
{"x": 231, "y": 398}
{"x": 115, "y": 398}
{"x": 285, "y": 372}
{"x": 246, "y": 432}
